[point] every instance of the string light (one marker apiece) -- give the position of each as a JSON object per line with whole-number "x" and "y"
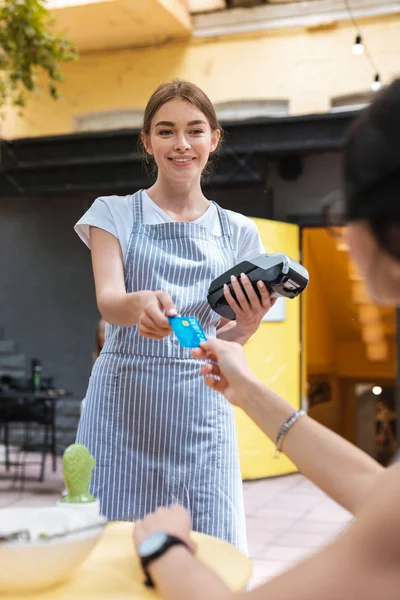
{"x": 376, "y": 84}
{"x": 358, "y": 47}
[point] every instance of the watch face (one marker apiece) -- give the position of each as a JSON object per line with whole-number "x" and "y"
{"x": 152, "y": 544}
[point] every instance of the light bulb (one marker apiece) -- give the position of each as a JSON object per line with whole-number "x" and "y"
{"x": 358, "y": 47}
{"x": 376, "y": 84}
{"x": 377, "y": 390}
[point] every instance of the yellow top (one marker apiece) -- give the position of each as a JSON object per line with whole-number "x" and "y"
{"x": 112, "y": 571}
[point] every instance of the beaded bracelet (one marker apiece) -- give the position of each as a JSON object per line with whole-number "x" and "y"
{"x": 285, "y": 428}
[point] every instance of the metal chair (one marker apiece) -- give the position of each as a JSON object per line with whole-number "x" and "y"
{"x": 20, "y": 406}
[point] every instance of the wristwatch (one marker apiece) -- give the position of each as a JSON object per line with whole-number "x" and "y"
{"x": 154, "y": 546}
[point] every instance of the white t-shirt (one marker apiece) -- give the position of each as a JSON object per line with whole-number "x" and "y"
{"x": 115, "y": 215}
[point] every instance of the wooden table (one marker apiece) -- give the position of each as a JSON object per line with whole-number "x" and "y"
{"x": 113, "y": 572}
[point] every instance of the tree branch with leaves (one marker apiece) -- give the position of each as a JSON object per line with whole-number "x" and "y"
{"x": 29, "y": 46}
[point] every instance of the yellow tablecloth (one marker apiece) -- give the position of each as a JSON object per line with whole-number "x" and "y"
{"x": 113, "y": 572}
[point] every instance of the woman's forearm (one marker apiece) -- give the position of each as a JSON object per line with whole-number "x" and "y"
{"x": 180, "y": 576}
{"x": 362, "y": 563}
{"x": 340, "y": 469}
{"x": 231, "y": 333}
{"x": 121, "y": 309}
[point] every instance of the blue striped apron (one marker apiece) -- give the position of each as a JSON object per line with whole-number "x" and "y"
{"x": 159, "y": 435}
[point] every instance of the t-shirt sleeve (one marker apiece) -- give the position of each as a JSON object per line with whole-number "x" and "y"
{"x": 111, "y": 213}
{"x": 249, "y": 242}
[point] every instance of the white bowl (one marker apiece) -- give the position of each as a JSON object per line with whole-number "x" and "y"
{"x": 41, "y": 563}
{"x": 87, "y": 508}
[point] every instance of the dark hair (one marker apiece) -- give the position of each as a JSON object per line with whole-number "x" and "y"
{"x": 371, "y": 168}
{"x": 177, "y": 88}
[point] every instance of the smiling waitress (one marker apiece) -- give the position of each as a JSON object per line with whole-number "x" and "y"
{"x": 158, "y": 434}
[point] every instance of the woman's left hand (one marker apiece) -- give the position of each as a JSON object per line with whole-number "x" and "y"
{"x": 174, "y": 520}
{"x": 249, "y": 311}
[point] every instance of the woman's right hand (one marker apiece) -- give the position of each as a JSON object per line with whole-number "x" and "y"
{"x": 154, "y": 308}
{"x": 229, "y": 371}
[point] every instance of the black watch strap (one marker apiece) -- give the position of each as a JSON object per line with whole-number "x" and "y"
{"x": 146, "y": 561}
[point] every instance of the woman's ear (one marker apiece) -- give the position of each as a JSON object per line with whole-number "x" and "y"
{"x": 146, "y": 142}
{"x": 215, "y": 139}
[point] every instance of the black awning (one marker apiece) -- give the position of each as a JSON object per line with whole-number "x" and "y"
{"x": 110, "y": 160}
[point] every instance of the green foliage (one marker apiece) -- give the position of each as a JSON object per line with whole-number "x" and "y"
{"x": 29, "y": 45}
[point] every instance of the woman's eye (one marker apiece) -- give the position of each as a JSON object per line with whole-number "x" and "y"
{"x": 165, "y": 132}
{"x": 196, "y": 131}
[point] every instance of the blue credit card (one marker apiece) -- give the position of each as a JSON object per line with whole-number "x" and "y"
{"x": 188, "y": 331}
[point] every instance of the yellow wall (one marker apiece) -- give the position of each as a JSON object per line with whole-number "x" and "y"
{"x": 319, "y": 340}
{"x": 333, "y": 332}
{"x": 334, "y": 351}
{"x": 308, "y": 68}
{"x": 274, "y": 355}
{"x": 319, "y": 332}
{"x": 352, "y": 362}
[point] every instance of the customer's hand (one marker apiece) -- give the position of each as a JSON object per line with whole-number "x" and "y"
{"x": 228, "y": 372}
{"x": 249, "y": 311}
{"x": 154, "y": 308}
{"x": 174, "y": 520}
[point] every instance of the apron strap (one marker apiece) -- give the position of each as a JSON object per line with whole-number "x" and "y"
{"x": 137, "y": 200}
{"x": 223, "y": 217}
{"x": 225, "y": 225}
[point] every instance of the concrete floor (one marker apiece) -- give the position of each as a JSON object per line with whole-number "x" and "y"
{"x": 288, "y": 518}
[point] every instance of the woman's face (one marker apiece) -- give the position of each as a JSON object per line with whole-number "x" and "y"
{"x": 380, "y": 271}
{"x": 180, "y": 140}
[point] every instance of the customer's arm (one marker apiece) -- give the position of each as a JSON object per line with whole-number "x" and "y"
{"x": 339, "y": 468}
{"x": 333, "y": 464}
{"x": 363, "y": 564}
